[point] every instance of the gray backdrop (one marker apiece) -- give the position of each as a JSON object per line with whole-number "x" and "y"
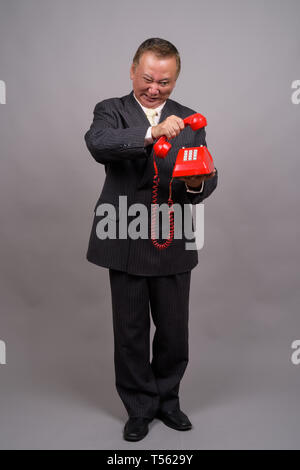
{"x": 239, "y": 59}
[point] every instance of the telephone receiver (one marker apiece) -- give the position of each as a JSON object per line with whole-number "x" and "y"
{"x": 195, "y": 121}
{"x": 189, "y": 162}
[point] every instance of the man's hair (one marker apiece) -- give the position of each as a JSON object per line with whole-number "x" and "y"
{"x": 161, "y": 48}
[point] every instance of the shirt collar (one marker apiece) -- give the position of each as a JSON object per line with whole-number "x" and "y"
{"x": 158, "y": 109}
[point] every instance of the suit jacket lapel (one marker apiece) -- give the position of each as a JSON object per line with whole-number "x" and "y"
{"x": 135, "y": 116}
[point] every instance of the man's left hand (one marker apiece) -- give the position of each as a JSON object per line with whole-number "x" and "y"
{"x": 196, "y": 180}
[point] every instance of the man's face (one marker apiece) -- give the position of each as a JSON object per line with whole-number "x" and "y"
{"x": 153, "y": 79}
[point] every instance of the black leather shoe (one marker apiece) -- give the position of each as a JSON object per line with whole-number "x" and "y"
{"x": 175, "y": 420}
{"x": 136, "y": 428}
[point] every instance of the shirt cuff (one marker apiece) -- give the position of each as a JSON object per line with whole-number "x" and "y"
{"x": 148, "y": 137}
{"x": 193, "y": 190}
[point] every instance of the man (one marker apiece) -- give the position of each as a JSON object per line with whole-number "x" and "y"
{"x": 141, "y": 275}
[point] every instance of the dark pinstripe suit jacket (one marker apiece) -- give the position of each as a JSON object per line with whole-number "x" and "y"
{"x": 116, "y": 139}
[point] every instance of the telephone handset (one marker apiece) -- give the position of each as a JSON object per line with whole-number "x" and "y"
{"x": 195, "y": 121}
{"x": 189, "y": 161}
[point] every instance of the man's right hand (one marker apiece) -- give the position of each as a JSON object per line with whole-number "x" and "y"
{"x": 170, "y": 127}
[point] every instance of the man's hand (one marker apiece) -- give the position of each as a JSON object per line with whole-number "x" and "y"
{"x": 170, "y": 127}
{"x": 195, "y": 181}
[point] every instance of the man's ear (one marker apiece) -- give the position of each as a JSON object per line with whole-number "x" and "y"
{"x": 132, "y": 70}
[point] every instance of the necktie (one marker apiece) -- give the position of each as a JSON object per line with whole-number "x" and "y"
{"x": 150, "y": 113}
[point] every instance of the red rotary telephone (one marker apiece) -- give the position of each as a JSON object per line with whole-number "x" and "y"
{"x": 189, "y": 161}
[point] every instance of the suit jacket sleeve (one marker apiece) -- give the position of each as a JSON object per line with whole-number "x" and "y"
{"x": 108, "y": 142}
{"x": 210, "y": 184}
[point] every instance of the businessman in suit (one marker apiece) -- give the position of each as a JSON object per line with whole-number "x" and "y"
{"x": 143, "y": 278}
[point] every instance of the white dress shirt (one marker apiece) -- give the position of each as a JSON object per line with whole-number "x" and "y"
{"x": 149, "y": 140}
